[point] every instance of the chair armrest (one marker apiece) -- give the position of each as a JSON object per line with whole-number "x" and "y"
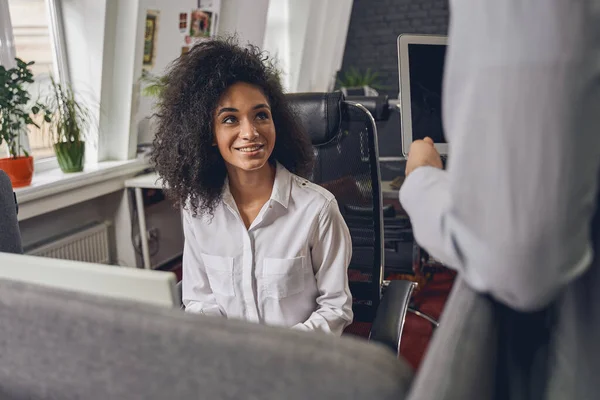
{"x": 391, "y": 313}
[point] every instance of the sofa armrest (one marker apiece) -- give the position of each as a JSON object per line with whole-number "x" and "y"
{"x": 391, "y": 313}
{"x": 180, "y": 294}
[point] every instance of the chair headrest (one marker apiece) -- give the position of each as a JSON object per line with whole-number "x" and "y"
{"x": 377, "y": 106}
{"x": 320, "y": 114}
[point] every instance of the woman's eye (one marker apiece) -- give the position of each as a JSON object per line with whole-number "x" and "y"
{"x": 262, "y": 115}
{"x": 229, "y": 119}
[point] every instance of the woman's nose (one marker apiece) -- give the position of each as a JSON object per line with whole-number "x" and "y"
{"x": 248, "y": 130}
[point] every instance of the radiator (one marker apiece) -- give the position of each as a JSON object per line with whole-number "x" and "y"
{"x": 89, "y": 244}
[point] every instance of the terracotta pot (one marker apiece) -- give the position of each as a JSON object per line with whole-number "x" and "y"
{"x": 19, "y": 170}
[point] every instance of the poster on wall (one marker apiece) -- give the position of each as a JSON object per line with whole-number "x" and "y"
{"x": 201, "y": 23}
{"x": 150, "y": 35}
{"x": 183, "y": 22}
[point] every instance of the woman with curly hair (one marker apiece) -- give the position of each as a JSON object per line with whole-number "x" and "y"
{"x": 262, "y": 243}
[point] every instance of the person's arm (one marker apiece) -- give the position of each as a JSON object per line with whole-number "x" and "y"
{"x": 197, "y": 296}
{"x": 522, "y": 113}
{"x": 331, "y": 253}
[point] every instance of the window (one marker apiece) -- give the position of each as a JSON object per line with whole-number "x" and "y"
{"x": 37, "y": 37}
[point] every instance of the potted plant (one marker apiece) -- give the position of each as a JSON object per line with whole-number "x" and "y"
{"x": 355, "y": 81}
{"x": 68, "y": 126}
{"x": 154, "y": 85}
{"x": 15, "y": 115}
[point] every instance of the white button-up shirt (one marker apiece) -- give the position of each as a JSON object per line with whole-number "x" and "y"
{"x": 289, "y": 268}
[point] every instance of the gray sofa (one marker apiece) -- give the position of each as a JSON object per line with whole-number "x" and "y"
{"x": 61, "y": 345}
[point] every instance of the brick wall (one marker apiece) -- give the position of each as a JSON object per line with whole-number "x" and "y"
{"x": 375, "y": 26}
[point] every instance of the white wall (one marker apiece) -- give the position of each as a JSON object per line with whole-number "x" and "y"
{"x": 277, "y": 39}
{"x": 247, "y": 18}
{"x": 309, "y": 40}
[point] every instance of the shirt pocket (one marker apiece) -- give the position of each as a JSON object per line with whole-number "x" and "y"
{"x": 220, "y": 274}
{"x": 283, "y": 277}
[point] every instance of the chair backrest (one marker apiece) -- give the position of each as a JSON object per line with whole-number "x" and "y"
{"x": 61, "y": 345}
{"x": 344, "y": 136}
{"x": 10, "y": 235}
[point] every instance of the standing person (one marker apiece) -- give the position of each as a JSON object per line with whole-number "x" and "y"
{"x": 514, "y": 211}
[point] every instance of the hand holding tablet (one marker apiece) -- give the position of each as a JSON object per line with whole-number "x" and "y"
{"x": 422, "y": 153}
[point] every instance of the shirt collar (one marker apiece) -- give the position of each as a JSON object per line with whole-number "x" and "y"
{"x": 282, "y": 186}
{"x": 280, "y": 192}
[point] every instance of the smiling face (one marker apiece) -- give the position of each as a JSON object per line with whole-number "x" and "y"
{"x": 243, "y": 127}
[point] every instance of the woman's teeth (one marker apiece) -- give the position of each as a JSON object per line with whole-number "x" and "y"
{"x": 249, "y": 149}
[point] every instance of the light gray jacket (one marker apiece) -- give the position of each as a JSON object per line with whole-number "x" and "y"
{"x": 513, "y": 212}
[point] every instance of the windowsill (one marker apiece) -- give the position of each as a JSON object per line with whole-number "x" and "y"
{"x": 53, "y": 189}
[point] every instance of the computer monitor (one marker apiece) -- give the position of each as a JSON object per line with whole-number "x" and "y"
{"x": 144, "y": 286}
{"x": 421, "y": 70}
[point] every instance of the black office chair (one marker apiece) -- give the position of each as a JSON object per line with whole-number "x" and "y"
{"x": 344, "y": 136}
{"x": 401, "y": 253}
{"x": 10, "y": 235}
{"x": 398, "y": 235}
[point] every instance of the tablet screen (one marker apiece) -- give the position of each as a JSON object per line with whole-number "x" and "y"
{"x": 426, "y": 68}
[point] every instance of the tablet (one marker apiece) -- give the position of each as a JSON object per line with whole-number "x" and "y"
{"x": 421, "y": 70}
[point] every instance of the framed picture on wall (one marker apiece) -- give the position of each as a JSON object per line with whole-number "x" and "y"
{"x": 150, "y": 35}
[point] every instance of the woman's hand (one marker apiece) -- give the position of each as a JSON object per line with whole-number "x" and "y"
{"x": 422, "y": 153}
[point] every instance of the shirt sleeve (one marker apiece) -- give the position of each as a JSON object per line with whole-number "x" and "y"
{"x": 521, "y": 103}
{"x": 197, "y": 296}
{"x": 331, "y": 253}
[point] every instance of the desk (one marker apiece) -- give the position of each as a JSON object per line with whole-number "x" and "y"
{"x": 147, "y": 181}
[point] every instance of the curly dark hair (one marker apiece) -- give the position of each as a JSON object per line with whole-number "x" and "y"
{"x": 192, "y": 169}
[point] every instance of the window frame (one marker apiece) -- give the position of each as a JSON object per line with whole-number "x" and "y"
{"x": 59, "y": 55}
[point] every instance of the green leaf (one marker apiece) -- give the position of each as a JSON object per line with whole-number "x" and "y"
{"x": 35, "y": 109}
